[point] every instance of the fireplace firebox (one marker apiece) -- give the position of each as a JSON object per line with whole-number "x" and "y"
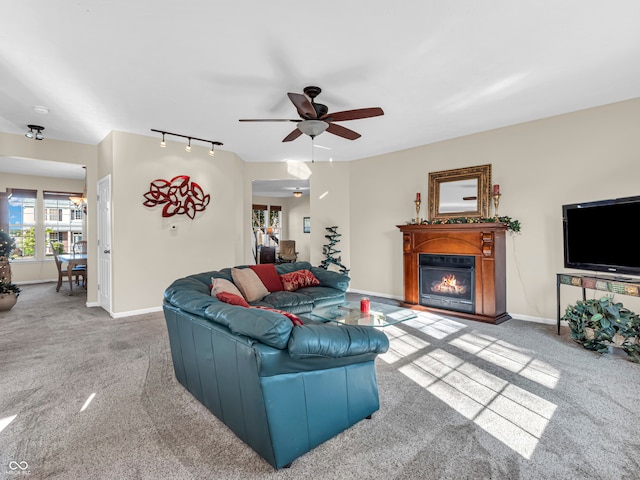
{"x": 447, "y": 282}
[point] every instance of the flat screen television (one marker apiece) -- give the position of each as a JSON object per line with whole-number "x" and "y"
{"x": 601, "y": 236}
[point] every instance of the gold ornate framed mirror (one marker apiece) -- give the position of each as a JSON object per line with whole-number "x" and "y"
{"x": 462, "y": 192}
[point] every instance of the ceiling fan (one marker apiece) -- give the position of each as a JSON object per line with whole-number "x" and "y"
{"x": 316, "y": 117}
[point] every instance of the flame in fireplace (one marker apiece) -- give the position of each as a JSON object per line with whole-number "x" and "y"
{"x": 449, "y": 284}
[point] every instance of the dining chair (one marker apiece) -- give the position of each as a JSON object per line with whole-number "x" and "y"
{"x": 80, "y": 246}
{"x": 64, "y": 272}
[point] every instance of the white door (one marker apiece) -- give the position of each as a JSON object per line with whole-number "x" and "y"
{"x": 104, "y": 243}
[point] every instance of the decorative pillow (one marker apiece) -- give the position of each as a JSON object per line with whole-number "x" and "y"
{"x": 298, "y": 279}
{"x": 294, "y": 318}
{"x": 223, "y": 285}
{"x": 249, "y": 284}
{"x": 269, "y": 276}
{"x": 232, "y": 298}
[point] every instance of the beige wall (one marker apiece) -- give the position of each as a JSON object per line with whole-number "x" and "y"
{"x": 588, "y": 155}
{"x": 146, "y": 254}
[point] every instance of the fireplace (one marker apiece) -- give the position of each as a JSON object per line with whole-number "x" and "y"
{"x": 456, "y": 268}
{"x": 448, "y": 282}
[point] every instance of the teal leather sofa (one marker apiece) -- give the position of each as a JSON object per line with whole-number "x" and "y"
{"x": 282, "y": 389}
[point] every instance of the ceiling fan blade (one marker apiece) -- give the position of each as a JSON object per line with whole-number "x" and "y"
{"x": 343, "y": 132}
{"x": 303, "y": 105}
{"x": 353, "y": 114}
{"x": 268, "y": 120}
{"x": 292, "y": 136}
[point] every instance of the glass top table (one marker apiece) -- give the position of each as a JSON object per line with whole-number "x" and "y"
{"x": 380, "y": 314}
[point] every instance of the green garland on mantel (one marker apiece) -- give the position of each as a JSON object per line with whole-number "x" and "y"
{"x": 512, "y": 225}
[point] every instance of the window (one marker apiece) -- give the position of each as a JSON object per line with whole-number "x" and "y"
{"x": 60, "y": 221}
{"x": 22, "y": 222}
{"x": 267, "y": 224}
{"x": 35, "y": 226}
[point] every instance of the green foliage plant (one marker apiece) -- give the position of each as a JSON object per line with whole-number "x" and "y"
{"x": 7, "y": 244}
{"x": 513, "y": 226}
{"x": 8, "y": 287}
{"x": 598, "y": 323}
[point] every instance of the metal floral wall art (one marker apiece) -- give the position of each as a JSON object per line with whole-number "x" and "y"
{"x": 179, "y": 196}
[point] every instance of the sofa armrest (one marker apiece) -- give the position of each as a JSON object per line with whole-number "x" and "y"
{"x": 335, "y": 341}
{"x": 329, "y": 278}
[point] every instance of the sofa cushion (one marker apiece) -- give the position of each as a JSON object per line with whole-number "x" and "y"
{"x": 263, "y": 326}
{"x": 232, "y": 299}
{"x": 323, "y": 296}
{"x": 249, "y": 284}
{"x": 222, "y": 285}
{"x": 291, "y": 301}
{"x": 299, "y": 279}
{"x": 329, "y": 278}
{"x": 332, "y": 340}
{"x": 269, "y": 276}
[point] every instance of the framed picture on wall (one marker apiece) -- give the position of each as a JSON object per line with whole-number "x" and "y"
{"x": 306, "y": 225}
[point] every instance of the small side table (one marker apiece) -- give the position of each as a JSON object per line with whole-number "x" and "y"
{"x": 611, "y": 284}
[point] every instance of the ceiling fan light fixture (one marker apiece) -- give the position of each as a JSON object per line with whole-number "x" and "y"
{"x": 312, "y": 127}
{"x": 297, "y": 194}
{"x": 212, "y": 152}
{"x": 163, "y": 144}
{"x": 188, "y": 147}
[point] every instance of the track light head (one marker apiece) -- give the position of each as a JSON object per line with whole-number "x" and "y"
{"x": 188, "y": 147}
{"x": 37, "y": 134}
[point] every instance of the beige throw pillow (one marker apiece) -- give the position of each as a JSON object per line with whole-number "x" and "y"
{"x": 219, "y": 285}
{"x": 249, "y": 284}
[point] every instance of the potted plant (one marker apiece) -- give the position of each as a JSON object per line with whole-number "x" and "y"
{"x": 9, "y": 293}
{"x": 7, "y": 245}
{"x": 598, "y": 324}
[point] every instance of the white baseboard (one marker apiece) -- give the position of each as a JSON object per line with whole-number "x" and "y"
{"x": 131, "y": 313}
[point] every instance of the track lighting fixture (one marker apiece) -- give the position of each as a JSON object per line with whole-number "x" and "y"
{"x": 188, "y": 147}
{"x": 37, "y": 134}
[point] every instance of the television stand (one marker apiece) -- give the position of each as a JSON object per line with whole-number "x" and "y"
{"x": 607, "y": 283}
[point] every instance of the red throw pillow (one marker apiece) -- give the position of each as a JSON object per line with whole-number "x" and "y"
{"x": 232, "y": 298}
{"x": 269, "y": 276}
{"x": 299, "y": 279}
{"x": 294, "y": 318}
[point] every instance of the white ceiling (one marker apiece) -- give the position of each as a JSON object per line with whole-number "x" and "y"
{"x": 439, "y": 69}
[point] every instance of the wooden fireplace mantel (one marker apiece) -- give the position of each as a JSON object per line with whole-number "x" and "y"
{"x": 485, "y": 241}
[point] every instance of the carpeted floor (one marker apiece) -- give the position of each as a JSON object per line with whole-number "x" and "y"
{"x": 459, "y": 400}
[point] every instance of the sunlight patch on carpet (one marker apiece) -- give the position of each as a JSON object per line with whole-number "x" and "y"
{"x": 401, "y": 345}
{"x": 509, "y": 413}
{"x": 4, "y": 422}
{"x": 509, "y": 357}
{"x": 434, "y": 325}
{"x": 86, "y": 404}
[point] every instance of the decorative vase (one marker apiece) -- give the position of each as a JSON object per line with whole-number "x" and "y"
{"x": 7, "y": 301}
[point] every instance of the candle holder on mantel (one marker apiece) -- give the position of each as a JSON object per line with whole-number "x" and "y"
{"x": 417, "y": 202}
{"x": 496, "y": 202}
